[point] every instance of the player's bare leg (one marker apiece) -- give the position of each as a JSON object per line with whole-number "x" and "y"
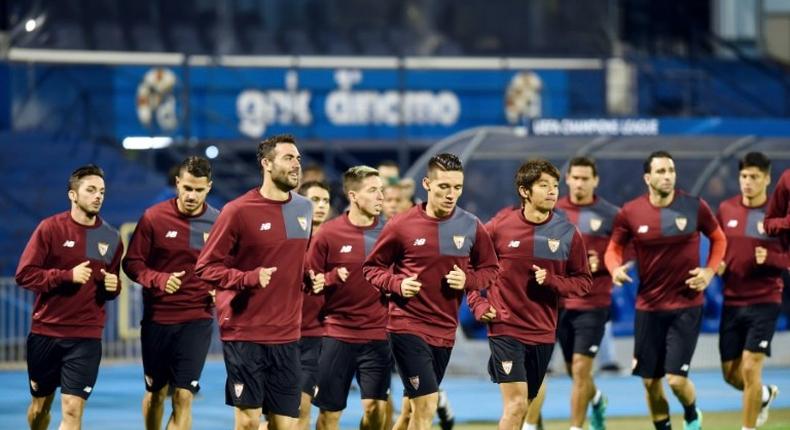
{"x": 304, "y": 412}
{"x": 656, "y": 399}
{"x": 246, "y": 418}
{"x": 38, "y": 415}
{"x": 402, "y": 423}
{"x": 514, "y": 405}
{"x": 373, "y": 414}
{"x": 423, "y": 409}
{"x": 154, "y": 408}
{"x": 532, "y": 418}
{"x": 583, "y": 388}
{"x": 181, "y": 418}
{"x": 71, "y": 409}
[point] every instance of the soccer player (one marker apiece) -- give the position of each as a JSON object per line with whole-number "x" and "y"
{"x": 312, "y": 318}
{"x": 583, "y": 319}
{"x": 542, "y": 257}
{"x": 71, "y": 262}
{"x": 664, "y": 226}
{"x": 393, "y": 200}
{"x": 752, "y": 275}
{"x": 777, "y": 213}
{"x": 425, "y": 258}
{"x": 355, "y": 314}
{"x": 255, "y": 257}
{"x": 177, "y": 305}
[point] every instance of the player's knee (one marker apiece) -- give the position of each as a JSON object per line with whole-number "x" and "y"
{"x": 516, "y": 407}
{"x": 330, "y": 418}
{"x": 676, "y": 382}
{"x": 182, "y": 398}
{"x": 652, "y": 385}
{"x": 750, "y": 370}
{"x": 72, "y": 408}
{"x": 39, "y": 408}
{"x": 424, "y": 406}
{"x": 580, "y": 369}
{"x": 246, "y": 421}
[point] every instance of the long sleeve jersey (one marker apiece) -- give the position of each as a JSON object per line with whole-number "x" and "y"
{"x": 526, "y": 310}
{"x": 63, "y": 308}
{"x": 167, "y": 241}
{"x": 414, "y": 243}
{"x": 354, "y": 311}
{"x": 777, "y": 214}
{"x": 252, "y": 233}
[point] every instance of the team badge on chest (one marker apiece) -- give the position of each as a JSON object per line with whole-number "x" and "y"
{"x": 681, "y": 222}
{"x": 760, "y": 228}
{"x": 595, "y": 224}
{"x": 459, "y": 241}
{"x": 554, "y": 244}
{"x": 103, "y": 247}
{"x": 302, "y": 222}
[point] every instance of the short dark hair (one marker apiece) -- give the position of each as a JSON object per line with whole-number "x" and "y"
{"x": 530, "y": 171}
{"x": 655, "y": 154}
{"x": 755, "y": 159}
{"x": 310, "y": 184}
{"x": 446, "y": 162}
{"x": 583, "y": 162}
{"x": 81, "y": 172}
{"x": 198, "y": 167}
{"x": 355, "y": 175}
{"x": 266, "y": 147}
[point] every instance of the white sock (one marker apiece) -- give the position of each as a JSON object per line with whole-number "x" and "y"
{"x": 597, "y": 397}
{"x": 766, "y": 393}
{"x": 528, "y": 426}
{"x": 576, "y": 428}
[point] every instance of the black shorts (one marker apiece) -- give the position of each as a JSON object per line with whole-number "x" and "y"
{"x": 309, "y": 351}
{"x": 747, "y": 328}
{"x": 421, "y": 366}
{"x": 174, "y": 354}
{"x": 514, "y": 361}
{"x": 581, "y": 331}
{"x": 263, "y": 376}
{"x": 664, "y": 341}
{"x": 68, "y": 363}
{"x": 341, "y": 361}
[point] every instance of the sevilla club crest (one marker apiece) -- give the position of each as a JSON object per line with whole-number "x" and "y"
{"x": 761, "y": 228}
{"x": 415, "y": 382}
{"x": 507, "y": 366}
{"x": 103, "y": 247}
{"x": 595, "y": 224}
{"x": 302, "y": 222}
{"x": 458, "y": 241}
{"x": 681, "y": 222}
{"x": 554, "y": 244}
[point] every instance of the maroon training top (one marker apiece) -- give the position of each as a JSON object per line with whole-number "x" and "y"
{"x": 62, "y": 308}
{"x": 251, "y": 233}
{"x": 354, "y": 311}
{"x": 777, "y": 214}
{"x": 413, "y": 243}
{"x": 166, "y": 241}
{"x": 745, "y": 281}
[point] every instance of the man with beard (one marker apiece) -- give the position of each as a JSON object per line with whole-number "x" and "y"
{"x": 752, "y": 275}
{"x": 583, "y": 319}
{"x": 255, "y": 257}
{"x": 542, "y": 257}
{"x": 426, "y": 258}
{"x": 312, "y": 319}
{"x": 177, "y": 305}
{"x": 664, "y": 227}
{"x": 355, "y": 313}
{"x": 71, "y": 262}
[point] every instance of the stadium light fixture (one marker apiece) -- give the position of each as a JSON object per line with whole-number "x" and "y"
{"x": 30, "y": 25}
{"x": 212, "y": 152}
{"x": 147, "y": 142}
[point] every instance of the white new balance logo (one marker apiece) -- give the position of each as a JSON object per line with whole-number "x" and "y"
{"x": 514, "y": 244}
{"x": 419, "y": 242}
{"x": 266, "y": 226}
{"x": 345, "y": 249}
{"x": 171, "y": 234}
{"x": 642, "y": 229}
{"x": 68, "y": 244}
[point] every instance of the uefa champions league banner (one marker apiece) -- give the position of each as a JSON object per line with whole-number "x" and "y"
{"x": 347, "y": 103}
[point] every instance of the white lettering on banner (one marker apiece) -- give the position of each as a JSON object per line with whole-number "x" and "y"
{"x": 259, "y": 109}
{"x": 602, "y": 127}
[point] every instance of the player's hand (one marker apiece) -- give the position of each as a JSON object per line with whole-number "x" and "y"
{"x": 722, "y": 268}
{"x": 593, "y": 260}
{"x": 318, "y": 281}
{"x": 489, "y": 315}
{"x": 213, "y": 293}
{"x": 110, "y": 281}
{"x": 265, "y": 275}
{"x": 410, "y": 286}
{"x": 540, "y": 274}
{"x": 342, "y": 273}
{"x": 700, "y": 278}
{"x": 174, "y": 282}
{"x": 81, "y": 273}
{"x": 456, "y": 278}
{"x": 620, "y": 274}
{"x": 760, "y": 254}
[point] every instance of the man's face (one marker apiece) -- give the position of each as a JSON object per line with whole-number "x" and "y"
{"x": 662, "y": 176}
{"x": 368, "y": 197}
{"x": 89, "y": 195}
{"x": 543, "y": 193}
{"x": 285, "y": 167}
{"x": 444, "y": 188}
{"x": 387, "y": 172}
{"x": 191, "y": 191}
{"x": 753, "y": 182}
{"x": 581, "y": 182}
{"x": 319, "y": 197}
{"x": 393, "y": 201}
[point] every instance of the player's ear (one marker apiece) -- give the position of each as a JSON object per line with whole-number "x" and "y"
{"x": 523, "y": 192}
{"x": 426, "y": 183}
{"x": 72, "y": 195}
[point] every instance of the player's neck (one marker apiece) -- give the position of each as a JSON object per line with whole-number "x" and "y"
{"x": 80, "y": 217}
{"x": 435, "y": 212}
{"x": 582, "y": 201}
{"x": 186, "y": 212}
{"x": 316, "y": 227}
{"x": 535, "y": 215}
{"x": 270, "y": 191}
{"x": 360, "y": 219}
{"x": 756, "y": 201}
{"x": 660, "y": 201}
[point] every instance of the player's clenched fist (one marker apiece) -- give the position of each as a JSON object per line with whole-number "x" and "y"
{"x": 81, "y": 273}
{"x": 110, "y": 281}
{"x": 760, "y": 254}
{"x": 174, "y": 282}
{"x": 456, "y": 278}
{"x": 265, "y": 275}
{"x": 410, "y": 286}
{"x": 342, "y": 273}
{"x": 489, "y": 315}
{"x": 540, "y": 274}
{"x": 317, "y": 281}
